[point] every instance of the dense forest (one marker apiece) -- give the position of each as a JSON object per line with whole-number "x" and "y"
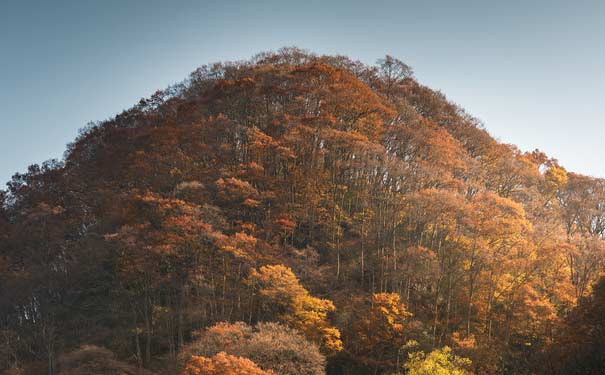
{"x": 297, "y": 214}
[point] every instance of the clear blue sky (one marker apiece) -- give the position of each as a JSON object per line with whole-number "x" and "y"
{"x": 533, "y": 71}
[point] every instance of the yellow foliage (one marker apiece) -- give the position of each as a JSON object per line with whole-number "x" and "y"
{"x": 438, "y": 362}
{"x": 280, "y": 288}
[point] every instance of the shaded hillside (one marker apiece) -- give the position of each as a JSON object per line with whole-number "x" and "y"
{"x": 368, "y": 215}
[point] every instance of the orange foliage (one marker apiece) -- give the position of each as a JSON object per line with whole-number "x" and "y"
{"x": 222, "y": 364}
{"x": 282, "y": 291}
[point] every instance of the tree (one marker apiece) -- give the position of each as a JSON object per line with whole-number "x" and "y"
{"x": 164, "y": 246}
{"x": 438, "y": 362}
{"x": 393, "y": 72}
{"x": 222, "y": 364}
{"x": 274, "y": 347}
{"x": 580, "y": 347}
{"x": 281, "y": 293}
{"x": 92, "y": 360}
{"x": 378, "y": 331}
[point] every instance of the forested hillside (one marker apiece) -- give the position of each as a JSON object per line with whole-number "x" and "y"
{"x": 298, "y": 214}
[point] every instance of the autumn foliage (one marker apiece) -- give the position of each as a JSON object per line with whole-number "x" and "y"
{"x": 282, "y": 295}
{"x": 222, "y": 364}
{"x": 273, "y": 346}
{"x": 300, "y": 214}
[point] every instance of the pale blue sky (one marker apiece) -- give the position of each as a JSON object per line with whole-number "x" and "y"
{"x": 531, "y": 70}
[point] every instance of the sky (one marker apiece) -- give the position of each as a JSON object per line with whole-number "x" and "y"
{"x": 532, "y": 71}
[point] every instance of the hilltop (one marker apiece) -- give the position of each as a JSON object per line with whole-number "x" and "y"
{"x": 377, "y": 225}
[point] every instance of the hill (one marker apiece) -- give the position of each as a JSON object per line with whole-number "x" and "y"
{"x": 377, "y": 222}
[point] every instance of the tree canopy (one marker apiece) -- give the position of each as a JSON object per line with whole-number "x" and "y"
{"x": 336, "y": 210}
